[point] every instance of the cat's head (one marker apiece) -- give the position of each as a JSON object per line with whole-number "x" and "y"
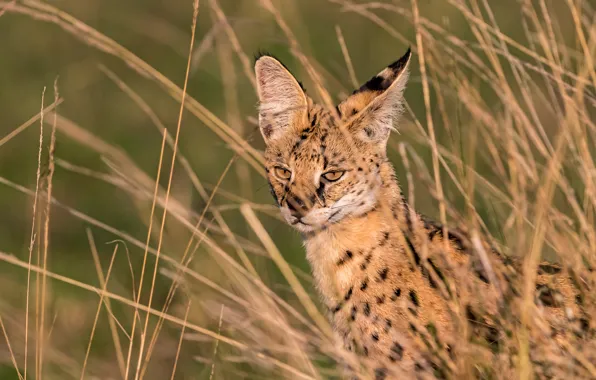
{"x": 323, "y": 165}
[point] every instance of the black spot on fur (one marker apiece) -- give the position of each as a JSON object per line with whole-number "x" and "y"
{"x": 414, "y": 298}
{"x": 375, "y": 336}
{"x": 367, "y": 260}
{"x": 366, "y": 309}
{"x": 435, "y": 229}
{"x": 349, "y": 294}
{"x": 380, "y": 299}
{"x": 456, "y": 240}
{"x": 438, "y": 371}
{"x": 338, "y": 111}
{"x": 337, "y": 308}
{"x": 388, "y": 325}
{"x": 481, "y": 274}
{"x": 353, "y": 313}
{"x": 432, "y": 330}
{"x": 380, "y": 373}
{"x": 347, "y": 257}
{"x": 470, "y": 315}
{"x": 427, "y": 275}
{"x": 384, "y": 239}
{"x": 413, "y": 250}
{"x": 436, "y": 269}
{"x": 492, "y": 338}
{"x": 397, "y": 352}
{"x": 408, "y": 216}
{"x": 364, "y": 284}
{"x": 383, "y": 273}
{"x": 396, "y": 294}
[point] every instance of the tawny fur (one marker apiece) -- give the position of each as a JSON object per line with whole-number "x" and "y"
{"x": 408, "y": 300}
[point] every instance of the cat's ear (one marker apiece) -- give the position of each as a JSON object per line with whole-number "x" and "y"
{"x": 282, "y": 101}
{"x": 372, "y": 109}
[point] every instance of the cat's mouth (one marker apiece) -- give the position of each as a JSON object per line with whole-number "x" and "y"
{"x": 298, "y": 222}
{"x": 313, "y": 221}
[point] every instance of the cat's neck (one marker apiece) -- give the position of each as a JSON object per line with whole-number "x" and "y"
{"x": 352, "y": 237}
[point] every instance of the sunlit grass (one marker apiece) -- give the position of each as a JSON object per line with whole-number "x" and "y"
{"x": 498, "y": 136}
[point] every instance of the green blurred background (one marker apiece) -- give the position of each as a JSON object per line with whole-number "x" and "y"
{"x": 33, "y": 54}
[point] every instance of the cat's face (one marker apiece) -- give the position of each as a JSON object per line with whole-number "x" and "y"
{"x": 323, "y": 166}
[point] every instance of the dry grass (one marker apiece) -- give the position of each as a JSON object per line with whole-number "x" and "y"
{"x": 506, "y": 148}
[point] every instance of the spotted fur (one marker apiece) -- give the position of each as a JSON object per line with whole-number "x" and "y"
{"x": 410, "y": 298}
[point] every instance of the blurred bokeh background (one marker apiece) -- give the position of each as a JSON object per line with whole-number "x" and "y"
{"x": 108, "y": 142}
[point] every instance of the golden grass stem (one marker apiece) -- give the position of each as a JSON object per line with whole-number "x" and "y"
{"x": 9, "y": 346}
{"x": 46, "y": 236}
{"x": 30, "y": 122}
{"x": 184, "y": 263}
{"x": 48, "y": 13}
{"x": 233, "y": 39}
{"x": 104, "y": 287}
{"x": 346, "y": 54}
{"x": 139, "y": 292}
{"x": 285, "y": 269}
{"x": 216, "y": 345}
{"x": 103, "y": 282}
{"x": 169, "y": 187}
{"x": 33, "y": 236}
{"x": 6, "y": 7}
{"x": 429, "y": 121}
{"x": 11, "y": 259}
{"x": 293, "y": 41}
{"x": 181, "y": 339}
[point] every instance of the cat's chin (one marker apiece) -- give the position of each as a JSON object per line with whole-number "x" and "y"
{"x": 306, "y": 228}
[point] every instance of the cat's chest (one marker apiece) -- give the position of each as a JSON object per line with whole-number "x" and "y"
{"x": 342, "y": 263}
{"x": 374, "y": 291}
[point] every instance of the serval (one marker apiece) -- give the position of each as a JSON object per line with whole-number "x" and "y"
{"x": 409, "y": 297}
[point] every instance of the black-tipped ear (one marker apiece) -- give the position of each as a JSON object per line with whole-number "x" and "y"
{"x": 283, "y": 103}
{"x": 376, "y": 105}
{"x": 383, "y": 80}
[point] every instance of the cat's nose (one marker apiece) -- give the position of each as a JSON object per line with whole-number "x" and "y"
{"x": 297, "y": 206}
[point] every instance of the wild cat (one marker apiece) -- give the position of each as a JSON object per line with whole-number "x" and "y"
{"x": 409, "y": 300}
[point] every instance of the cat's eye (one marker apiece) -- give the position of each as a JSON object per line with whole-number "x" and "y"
{"x": 334, "y": 175}
{"x": 282, "y": 173}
